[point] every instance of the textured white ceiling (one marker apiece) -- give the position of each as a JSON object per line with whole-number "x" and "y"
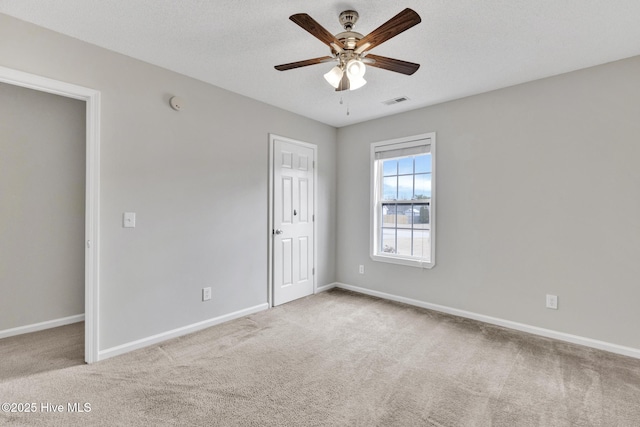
{"x": 464, "y": 47}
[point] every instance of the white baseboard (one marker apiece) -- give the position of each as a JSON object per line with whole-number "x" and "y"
{"x": 325, "y": 287}
{"x": 588, "y": 342}
{"x": 41, "y": 326}
{"x": 145, "y": 342}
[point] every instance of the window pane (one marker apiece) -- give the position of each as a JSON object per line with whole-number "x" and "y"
{"x": 390, "y": 188}
{"x": 405, "y": 165}
{"x": 405, "y": 187}
{"x": 423, "y": 186}
{"x": 423, "y": 163}
{"x": 421, "y": 216}
{"x": 404, "y": 216}
{"x": 390, "y": 167}
{"x": 390, "y": 208}
{"x": 388, "y": 244}
{"x": 422, "y": 244}
{"x": 388, "y": 215}
{"x": 404, "y": 242}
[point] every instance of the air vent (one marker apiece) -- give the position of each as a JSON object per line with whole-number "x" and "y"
{"x": 396, "y": 100}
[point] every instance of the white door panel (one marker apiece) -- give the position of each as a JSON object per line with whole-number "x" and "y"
{"x": 287, "y": 262}
{"x": 293, "y": 232}
{"x": 303, "y": 257}
{"x": 303, "y": 196}
{"x": 287, "y": 199}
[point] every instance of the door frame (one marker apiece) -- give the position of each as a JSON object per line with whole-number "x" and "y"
{"x": 92, "y": 192}
{"x": 272, "y": 139}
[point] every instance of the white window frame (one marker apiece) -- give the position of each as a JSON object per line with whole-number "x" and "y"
{"x": 376, "y": 197}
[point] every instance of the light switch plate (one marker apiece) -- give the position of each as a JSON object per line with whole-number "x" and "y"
{"x": 129, "y": 220}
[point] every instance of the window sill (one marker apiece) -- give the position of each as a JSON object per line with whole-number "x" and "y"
{"x": 403, "y": 261}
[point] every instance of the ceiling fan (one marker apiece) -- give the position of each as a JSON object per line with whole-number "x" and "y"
{"x": 351, "y": 49}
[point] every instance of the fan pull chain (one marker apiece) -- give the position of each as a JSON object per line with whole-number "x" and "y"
{"x": 342, "y": 103}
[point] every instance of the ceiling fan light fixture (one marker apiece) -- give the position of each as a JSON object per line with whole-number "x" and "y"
{"x": 356, "y": 68}
{"x": 334, "y": 76}
{"x": 356, "y": 83}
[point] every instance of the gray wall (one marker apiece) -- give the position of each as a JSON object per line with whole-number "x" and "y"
{"x": 196, "y": 178}
{"x": 42, "y": 175}
{"x": 537, "y": 192}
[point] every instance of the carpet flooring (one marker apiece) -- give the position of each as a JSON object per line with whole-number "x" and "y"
{"x": 41, "y": 351}
{"x": 332, "y": 359}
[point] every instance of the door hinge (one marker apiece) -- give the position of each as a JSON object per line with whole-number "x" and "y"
{"x": 313, "y": 271}
{"x": 313, "y": 218}
{"x": 314, "y": 164}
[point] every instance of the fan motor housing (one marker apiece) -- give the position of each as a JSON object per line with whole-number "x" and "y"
{"x": 349, "y": 39}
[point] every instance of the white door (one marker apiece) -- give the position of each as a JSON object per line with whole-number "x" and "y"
{"x": 293, "y": 216}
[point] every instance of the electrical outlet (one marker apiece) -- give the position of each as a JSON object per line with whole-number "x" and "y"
{"x": 361, "y": 269}
{"x": 552, "y": 301}
{"x": 206, "y": 294}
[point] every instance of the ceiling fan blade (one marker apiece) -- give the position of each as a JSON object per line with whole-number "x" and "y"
{"x": 391, "y": 64}
{"x": 394, "y": 26}
{"x": 298, "y": 64}
{"x": 318, "y": 31}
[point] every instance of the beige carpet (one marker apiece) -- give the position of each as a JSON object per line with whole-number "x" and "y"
{"x": 41, "y": 351}
{"x": 336, "y": 359}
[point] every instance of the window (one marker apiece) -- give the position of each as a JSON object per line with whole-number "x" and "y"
{"x": 403, "y": 201}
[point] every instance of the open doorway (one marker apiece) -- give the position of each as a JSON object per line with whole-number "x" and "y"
{"x": 42, "y": 203}
{"x": 85, "y": 240}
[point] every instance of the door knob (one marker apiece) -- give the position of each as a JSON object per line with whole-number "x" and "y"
{"x": 278, "y": 231}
